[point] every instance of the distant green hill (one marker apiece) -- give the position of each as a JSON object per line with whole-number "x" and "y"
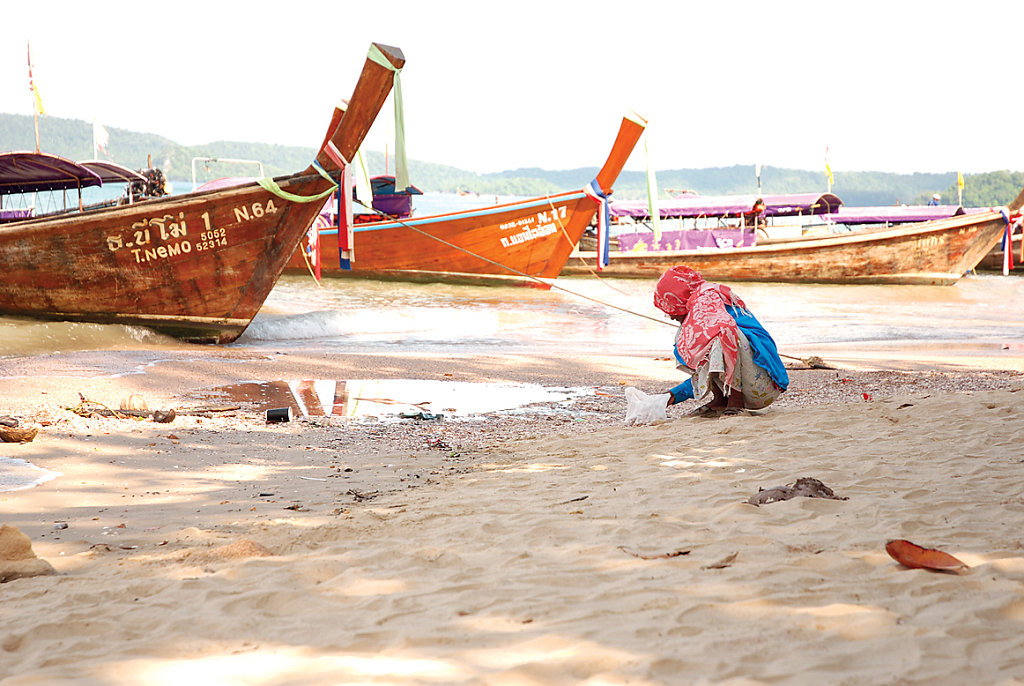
{"x": 72, "y": 138}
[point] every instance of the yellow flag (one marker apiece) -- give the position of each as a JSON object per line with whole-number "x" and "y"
{"x": 959, "y": 180}
{"x": 828, "y": 169}
{"x": 38, "y": 102}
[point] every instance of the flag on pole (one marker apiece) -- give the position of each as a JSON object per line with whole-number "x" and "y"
{"x": 100, "y": 138}
{"x": 828, "y": 170}
{"x": 36, "y": 100}
{"x": 959, "y": 180}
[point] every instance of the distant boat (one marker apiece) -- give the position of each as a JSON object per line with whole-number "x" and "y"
{"x": 525, "y": 242}
{"x": 388, "y": 201}
{"x": 935, "y": 249}
{"x": 197, "y": 266}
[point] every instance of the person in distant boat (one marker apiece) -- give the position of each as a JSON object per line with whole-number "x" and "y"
{"x": 936, "y": 200}
{"x": 726, "y": 351}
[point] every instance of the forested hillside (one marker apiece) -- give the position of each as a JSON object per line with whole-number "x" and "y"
{"x": 73, "y": 139}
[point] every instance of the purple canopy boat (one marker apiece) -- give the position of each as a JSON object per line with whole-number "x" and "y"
{"x": 29, "y": 172}
{"x": 904, "y": 245}
{"x": 33, "y": 172}
{"x": 692, "y": 206}
{"x": 751, "y": 209}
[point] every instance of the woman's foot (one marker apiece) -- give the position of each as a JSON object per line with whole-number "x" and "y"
{"x": 708, "y": 410}
{"x": 720, "y": 405}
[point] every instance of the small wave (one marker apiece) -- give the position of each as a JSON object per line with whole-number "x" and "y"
{"x": 18, "y": 475}
{"x": 306, "y": 326}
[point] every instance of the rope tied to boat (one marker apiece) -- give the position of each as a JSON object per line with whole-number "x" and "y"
{"x": 270, "y": 185}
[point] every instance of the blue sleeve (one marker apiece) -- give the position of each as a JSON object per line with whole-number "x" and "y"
{"x": 763, "y": 350}
{"x": 683, "y": 391}
{"x": 765, "y": 353}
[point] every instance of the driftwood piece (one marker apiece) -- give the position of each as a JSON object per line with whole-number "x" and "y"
{"x": 91, "y": 408}
{"x": 807, "y": 487}
{"x": 812, "y": 362}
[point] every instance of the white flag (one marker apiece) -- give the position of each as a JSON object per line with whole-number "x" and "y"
{"x": 100, "y": 138}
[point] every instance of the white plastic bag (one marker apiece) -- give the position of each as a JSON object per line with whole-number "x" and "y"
{"x": 646, "y": 409}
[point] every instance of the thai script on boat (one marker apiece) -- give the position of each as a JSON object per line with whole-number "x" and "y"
{"x": 927, "y": 243}
{"x": 158, "y": 238}
{"x": 547, "y": 224}
{"x": 154, "y": 238}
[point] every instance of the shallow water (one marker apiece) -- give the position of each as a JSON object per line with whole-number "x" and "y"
{"x": 578, "y": 316}
{"x": 605, "y": 315}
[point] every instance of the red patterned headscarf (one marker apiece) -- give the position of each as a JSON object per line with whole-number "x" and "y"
{"x": 682, "y": 291}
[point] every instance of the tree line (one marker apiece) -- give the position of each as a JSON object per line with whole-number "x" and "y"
{"x": 72, "y": 138}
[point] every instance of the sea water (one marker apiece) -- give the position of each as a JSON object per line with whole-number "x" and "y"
{"x": 579, "y": 315}
{"x": 593, "y": 315}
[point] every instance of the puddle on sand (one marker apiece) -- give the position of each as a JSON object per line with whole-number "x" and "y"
{"x": 391, "y": 398}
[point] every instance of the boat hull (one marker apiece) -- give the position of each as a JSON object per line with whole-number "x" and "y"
{"x": 198, "y": 268}
{"x": 520, "y": 243}
{"x": 937, "y": 252}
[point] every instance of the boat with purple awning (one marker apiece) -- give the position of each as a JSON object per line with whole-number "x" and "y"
{"x": 741, "y": 241}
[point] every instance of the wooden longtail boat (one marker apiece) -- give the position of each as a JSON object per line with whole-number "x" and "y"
{"x": 937, "y": 252}
{"x": 519, "y": 243}
{"x": 196, "y": 266}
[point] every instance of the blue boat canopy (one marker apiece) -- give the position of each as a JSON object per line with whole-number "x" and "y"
{"x": 28, "y": 172}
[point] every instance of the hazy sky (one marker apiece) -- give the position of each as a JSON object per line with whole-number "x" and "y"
{"x": 892, "y": 86}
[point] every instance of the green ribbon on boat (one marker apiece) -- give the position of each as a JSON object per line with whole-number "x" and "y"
{"x": 652, "y": 195}
{"x": 401, "y": 163}
{"x": 269, "y": 184}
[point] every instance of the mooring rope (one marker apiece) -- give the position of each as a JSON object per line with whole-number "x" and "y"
{"x": 813, "y": 361}
{"x": 516, "y": 271}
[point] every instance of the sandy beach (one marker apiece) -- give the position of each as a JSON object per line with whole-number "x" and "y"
{"x": 556, "y": 547}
